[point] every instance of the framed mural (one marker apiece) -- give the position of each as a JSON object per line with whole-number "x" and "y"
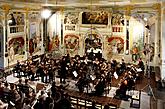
{"x": 54, "y": 43}
{"x": 71, "y": 18}
{"x": 16, "y": 22}
{"x": 100, "y": 18}
{"x": 16, "y": 47}
{"x": 71, "y": 42}
{"x": 117, "y": 19}
{"x": 115, "y": 45}
{"x": 54, "y": 33}
{"x": 35, "y": 40}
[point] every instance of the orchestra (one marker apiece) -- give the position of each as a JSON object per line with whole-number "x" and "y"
{"x": 85, "y": 70}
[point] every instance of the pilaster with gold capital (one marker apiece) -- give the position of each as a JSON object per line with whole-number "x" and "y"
{"x": 128, "y": 10}
{"x": 6, "y": 8}
{"x": 27, "y": 10}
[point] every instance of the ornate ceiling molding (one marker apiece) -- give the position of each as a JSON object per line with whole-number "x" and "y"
{"x": 6, "y": 8}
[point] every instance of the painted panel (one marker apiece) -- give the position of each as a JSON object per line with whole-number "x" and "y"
{"x": 16, "y": 21}
{"x": 114, "y": 46}
{"x": 54, "y": 30}
{"x": 71, "y": 42}
{"x": 71, "y": 18}
{"x": 95, "y": 18}
{"x": 16, "y": 48}
{"x": 35, "y": 41}
{"x": 117, "y": 19}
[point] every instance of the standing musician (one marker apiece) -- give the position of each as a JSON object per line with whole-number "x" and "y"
{"x": 141, "y": 64}
{"x": 63, "y": 71}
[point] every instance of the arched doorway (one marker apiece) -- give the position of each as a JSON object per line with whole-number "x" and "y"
{"x": 93, "y": 42}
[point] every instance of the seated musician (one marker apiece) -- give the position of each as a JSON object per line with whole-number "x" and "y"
{"x": 17, "y": 68}
{"x": 123, "y": 66}
{"x": 20, "y": 85}
{"x": 41, "y": 72}
{"x": 81, "y": 82}
{"x": 86, "y": 60}
{"x": 121, "y": 92}
{"x": 14, "y": 97}
{"x": 26, "y": 88}
{"x": 99, "y": 55}
{"x": 91, "y": 55}
{"x": 96, "y": 63}
{"x": 100, "y": 87}
{"x": 141, "y": 64}
{"x": 50, "y": 73}
{"x": 130, "y": 82}
{"x": 113, "y": 64}
{"x": 6, "y": 91}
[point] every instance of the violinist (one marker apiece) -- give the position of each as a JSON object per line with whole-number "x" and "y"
{"x": 141, "y": 64}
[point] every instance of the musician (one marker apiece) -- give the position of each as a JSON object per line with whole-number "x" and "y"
{"x": 141, "y": 64}
{"x": 67, "y": 58}
{"x": 63, "y": 71}
{"x": 50, "y": 73}
{"x": 121, "y": 92}
{"x": 81, "y": 82}
{"x": 91, "y": 55}
{"x": 18, "y": 68}
{"x": 99, "y": 88}
{"x": 20, "y": 85}
{"x": 122, "y": 67}
{"x": 26, "y": 88}
{"x": 130, "y": 82}
{"x": 135, "y": 52}
{"x": 42, "y": 73}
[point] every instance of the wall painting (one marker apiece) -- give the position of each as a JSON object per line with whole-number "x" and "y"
{"x": 16, "y": 48}
{"x": 71, "y": 42}
{"x": 115, "y": 45}
{"x": 100, "y": 18}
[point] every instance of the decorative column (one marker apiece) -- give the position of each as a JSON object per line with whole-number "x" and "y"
{"x": 157, "y": 45}
{"x": 2, "y": 36}
{"x": 27, "y": 32}
{"x": 6, "y": 9}
{"x": 162, "y": 66}
{"x": 128, "y": 29}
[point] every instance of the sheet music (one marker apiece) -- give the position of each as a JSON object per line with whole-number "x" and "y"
{"x": 92, "y": 77}
{"x": 75, "y": 74}
{"x": 115, "y": 75}
{"x": 139, "y": 70}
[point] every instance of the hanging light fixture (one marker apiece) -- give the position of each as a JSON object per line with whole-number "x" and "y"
{"x": 45, "y": 13}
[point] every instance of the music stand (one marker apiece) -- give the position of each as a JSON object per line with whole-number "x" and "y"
{"x": 148, "y": 71}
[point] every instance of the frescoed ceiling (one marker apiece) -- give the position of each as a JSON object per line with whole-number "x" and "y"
{"x": 76, "y": 3}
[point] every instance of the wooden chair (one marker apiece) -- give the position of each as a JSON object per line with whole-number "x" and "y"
{"x": 137, "y": 99}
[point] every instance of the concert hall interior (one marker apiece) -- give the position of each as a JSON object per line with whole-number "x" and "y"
{"x": 82, "y": 54}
